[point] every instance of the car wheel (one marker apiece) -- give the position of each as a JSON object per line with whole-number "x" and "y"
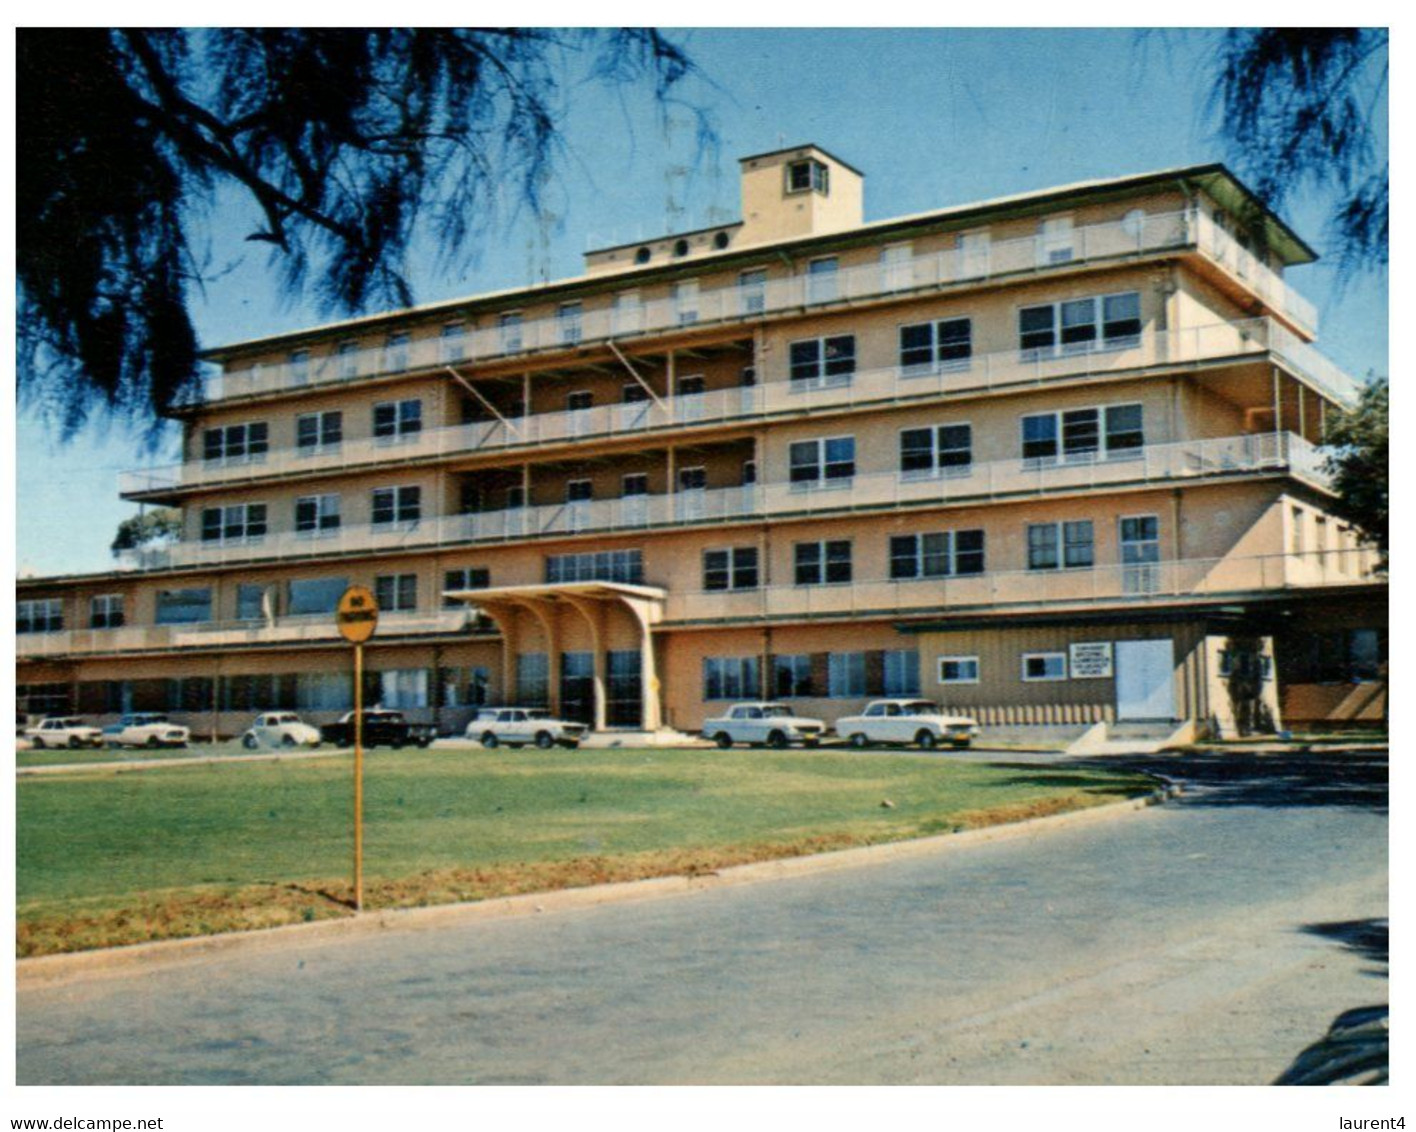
{"x": 287, "y": 741}
{"x": 397, "y": 744}
{"x": 250, "y": 742}
{"x": 724, "y": 740}
{"x": 544, "y": 740}
{"x": 489, "y": 741}
{"x": 777, "y": 740}
{"x": 38, "y": 743}
{"x": 859, "y": 741}
{"x": 424, "y": 744}
{"x": 153, "y": 742}
{"x": 75, "y": 742}
{"x": 926, "y": 740}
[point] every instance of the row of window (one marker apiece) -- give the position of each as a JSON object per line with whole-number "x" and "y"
{"x": 314, "y": 432}
{"x": 1061, "y": 545}
{"x": 314, "y": 515}
{"x": 837, "y": 675}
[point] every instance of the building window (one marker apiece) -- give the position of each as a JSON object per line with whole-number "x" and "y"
{"x": 808, "y": 176}
{"x": 453, "y": 342}
{"x": 1078, "y": 326}
{"x": 240, "y": 522}
{"x": 1139, "y": 537}
{"x": 568, "y": 318}
{"x": 1081, "y": 435}
{"x": 254, "y": 601}
{"x": 396, "y": 505}
{"x": 1342, "y": 656}
{"x": 730, "y": 678}
{"x": 1054, "y": 240}
{"x": 823, "y": 563}
{"x": 316, "y": 514}
{"x": 1053, "y": 546}
{"x": 939, "y": 554}
{"x": 319, "y": 432}
{"x": 685, "y": 298}
{"x": 732, "y": 569}
{"x": 183, "y": 607}
{"x": 845, "y": 674}
{"x": 817, "y": 463}
{"x": 347, "y": 359}
{"x": 396, "y": 420}
{"x": 396, "y": 593}
{"x": 945, "y": 450}
{"x": 626, "y": 566}
{"x": 1298, "y": 531}
{"x": 533, "y": 679}
{"x": 45, "y": 615}
{"x": 1039, "y": 666}
{"x": 466, "y": 578}
{"x": 625, "y": 313}
{"x": 509, "y": 325}
{"x": 396, "y": 352}
{"x": 106, "y": 611}
{"x": 403, "y": 688}
{"x": 791, "y": 676}
{"x": 958, "y": 670}
{"x": 234, "y": 444}
{"x": 322, "y": 691}
{"x": 752, "y": 291}
{"x": 466, "y": 687}
{"x": 634, "y": 484}
{"x": 821, "y": 280}
{"x": 934, "y": 347}
{"x": 818, "y": 363}
{"x": 579, "y": 401}
{"x": 901, "y": 672}
{"x": 299, "y": 367}
{"x": 306, "y": 596}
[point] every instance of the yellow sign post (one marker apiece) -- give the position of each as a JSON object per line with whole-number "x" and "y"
{"x": 356, "y": 617}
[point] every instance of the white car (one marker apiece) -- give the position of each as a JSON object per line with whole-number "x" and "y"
{"x": 67, "y": 731}
{"x": 774, "y": 725}
{"x": 280, "y": 729}
{"x": 919, "y": 722}
{"x": 146, "y": 729}
{"x": 517, "y": 727}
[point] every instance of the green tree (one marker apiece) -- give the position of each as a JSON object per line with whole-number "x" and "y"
{"x": 1303, "y": 109}
{"x": 1358, "y": 463}
{"x": 352, "y": 143}
{"x": 162, "y": 524}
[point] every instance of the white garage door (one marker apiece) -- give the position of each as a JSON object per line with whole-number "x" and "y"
{"x": 1145, "y": 679}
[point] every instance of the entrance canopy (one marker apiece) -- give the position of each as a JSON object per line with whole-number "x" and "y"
{"x": 589, "y": 600}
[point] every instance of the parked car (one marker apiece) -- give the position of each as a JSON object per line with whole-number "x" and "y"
{"x": 763, "y": 723}
{"x": 382, "y": 728}
{"x": 905, "y": 721}
{"x": 280, "y": 729}
{"x": 517, "y": 726}
{"x": 65, "y": 731}
{"x": 146, "y": 729}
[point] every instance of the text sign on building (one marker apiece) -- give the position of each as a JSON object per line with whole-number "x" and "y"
{"x": 1091, "y": 660}
{"x": 357, "y": 614}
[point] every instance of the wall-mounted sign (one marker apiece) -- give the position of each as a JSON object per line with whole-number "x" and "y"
{"x": 1091, "y": 660}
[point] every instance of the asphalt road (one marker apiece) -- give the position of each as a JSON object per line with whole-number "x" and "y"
{"x": 1206, "y": 941}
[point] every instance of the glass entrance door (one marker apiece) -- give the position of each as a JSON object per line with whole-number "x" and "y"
{"x": 624, "y": 692}
{"x": 577, "y": 698}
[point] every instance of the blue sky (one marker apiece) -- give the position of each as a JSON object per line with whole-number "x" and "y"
{"x": 933, "y": 117}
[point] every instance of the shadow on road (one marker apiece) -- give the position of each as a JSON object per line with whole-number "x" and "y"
{"x": 1368, "y": 938}
{"x": 1240, "y": 778}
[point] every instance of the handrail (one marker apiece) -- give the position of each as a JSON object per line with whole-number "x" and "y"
{"x": 980, "y": 481}
{"x": 696, "y": 306}
{"x": 997, "y": 370}
{"x": 1137, "y": 583}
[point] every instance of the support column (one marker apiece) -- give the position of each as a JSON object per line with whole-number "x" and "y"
{"x": 1302, "y": 414}
{"x": 594, "y": 614}
{"x": 1277, "y": 402}
{"x": 646, "y": 614}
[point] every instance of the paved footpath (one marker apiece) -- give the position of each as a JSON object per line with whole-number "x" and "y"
{"x": 1205, "y": 941}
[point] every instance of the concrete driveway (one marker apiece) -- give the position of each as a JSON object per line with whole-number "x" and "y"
{"x": 1205, "y": 941}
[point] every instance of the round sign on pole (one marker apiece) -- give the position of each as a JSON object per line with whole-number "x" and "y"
{"x": 357, "y": 615}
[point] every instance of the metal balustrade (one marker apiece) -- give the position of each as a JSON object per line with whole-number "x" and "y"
{"x": 1133, "y": 583}
{"x": 698, "y": 307}
{"x": 985, "y": 480}
{"x": 983, "y": 372}
{"x": 215, "y": 634}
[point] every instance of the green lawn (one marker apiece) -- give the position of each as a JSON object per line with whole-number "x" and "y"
{"x": 107, "y": 856}
{"x": 64, "y": 755}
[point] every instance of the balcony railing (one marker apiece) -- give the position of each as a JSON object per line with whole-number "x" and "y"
{"x": 981, "y": 481}
{"x": 214, "y": 634}
{"x": 1000, "y": 370}
{"x": 1139, "y": 584}
{"x": 1136, "y": 583}
{"x": 698, "y": 306}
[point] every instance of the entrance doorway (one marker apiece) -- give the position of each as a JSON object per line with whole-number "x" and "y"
{"x": 1145, "y": 680}
{"x": 624, "y": 692}
{"x": 577, "y": 698}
